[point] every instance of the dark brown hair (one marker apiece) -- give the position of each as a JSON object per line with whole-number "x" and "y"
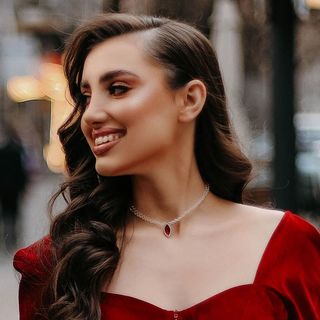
{"x": 85, "y": 233}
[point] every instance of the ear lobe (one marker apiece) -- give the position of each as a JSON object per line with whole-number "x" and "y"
{"x": 194, "y": 97}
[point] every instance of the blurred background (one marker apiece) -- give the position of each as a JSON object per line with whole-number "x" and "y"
{"x": 269, "y": 55}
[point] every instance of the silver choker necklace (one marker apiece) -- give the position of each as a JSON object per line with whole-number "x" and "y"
{"x": 167, "y": 227}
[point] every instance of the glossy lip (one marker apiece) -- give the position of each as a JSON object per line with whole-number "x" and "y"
{"x": 103, "y": 148}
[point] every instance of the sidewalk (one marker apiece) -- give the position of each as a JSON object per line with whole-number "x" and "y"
{"x": 8, "y": 290}
{"x": 34, "y": 224}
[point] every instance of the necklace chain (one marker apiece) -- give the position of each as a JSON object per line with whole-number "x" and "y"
{"x": 169, "y": 224}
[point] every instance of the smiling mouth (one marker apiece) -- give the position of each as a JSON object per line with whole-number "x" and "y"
{"x": 103, "y": 144}
{"x": 107, "y": 138}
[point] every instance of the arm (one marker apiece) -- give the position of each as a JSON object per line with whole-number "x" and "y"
{"x": 308, "y": 293}
{"x": 291, "y": 267}
{"x": 30, "y": 296}
{"x": 303, "y": 287}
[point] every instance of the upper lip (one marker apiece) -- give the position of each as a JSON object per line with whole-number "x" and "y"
{"x": 105, "y": 132}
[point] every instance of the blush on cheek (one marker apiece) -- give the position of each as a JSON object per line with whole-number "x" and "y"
{"x": 144, "y": 102}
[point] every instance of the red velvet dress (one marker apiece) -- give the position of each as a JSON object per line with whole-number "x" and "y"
{"x": 286, "y": 286}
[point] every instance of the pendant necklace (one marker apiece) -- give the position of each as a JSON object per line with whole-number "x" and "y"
{"x": 167, "y": 227}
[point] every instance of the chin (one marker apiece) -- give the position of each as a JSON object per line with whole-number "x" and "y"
{"x": 107, "y": 172}
{"x": 110, "y": 170}
{"x": 119, "y": 166}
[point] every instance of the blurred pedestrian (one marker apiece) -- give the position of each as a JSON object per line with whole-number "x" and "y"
{"x": 13, "y": 179}
{"x": 155, "y": 226}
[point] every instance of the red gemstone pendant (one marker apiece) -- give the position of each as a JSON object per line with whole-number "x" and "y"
{"x": 167, "y": 230}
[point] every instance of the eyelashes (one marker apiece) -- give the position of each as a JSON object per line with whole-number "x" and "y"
{"x": 114, "y": 90}
{"x": 118, "y": 89}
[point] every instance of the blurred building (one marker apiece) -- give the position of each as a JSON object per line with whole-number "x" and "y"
{"x": 32, "y": 37}
{"x": 257, "y": 36}
{"x": 33, "y": 34}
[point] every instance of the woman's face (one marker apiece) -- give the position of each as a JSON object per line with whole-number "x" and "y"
{"x": 131, "y": 117}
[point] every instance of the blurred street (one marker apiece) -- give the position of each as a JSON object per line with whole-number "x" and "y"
{"x": 268, "y": 52}
{"x": 34, "y": 225}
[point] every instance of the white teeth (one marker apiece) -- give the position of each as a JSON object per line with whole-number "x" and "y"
{"x": 108, "y": 138}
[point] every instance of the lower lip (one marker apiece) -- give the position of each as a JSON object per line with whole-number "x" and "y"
{"x": 103, "y": 148}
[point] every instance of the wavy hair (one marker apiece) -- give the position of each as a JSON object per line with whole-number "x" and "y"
{"x": 85, "y": 234}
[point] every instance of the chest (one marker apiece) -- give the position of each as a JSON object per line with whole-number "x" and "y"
{"x": 178, "y": 275}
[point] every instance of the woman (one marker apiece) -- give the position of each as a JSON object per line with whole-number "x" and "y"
{"x": 141, "y": 236}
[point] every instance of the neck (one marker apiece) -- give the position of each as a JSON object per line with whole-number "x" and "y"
{"x": 166, "y": 195}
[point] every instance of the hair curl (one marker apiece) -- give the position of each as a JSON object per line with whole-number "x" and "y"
{"x": 84, "y": 235}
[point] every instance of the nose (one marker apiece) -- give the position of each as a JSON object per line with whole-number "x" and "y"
{"x": 96, "y": 112}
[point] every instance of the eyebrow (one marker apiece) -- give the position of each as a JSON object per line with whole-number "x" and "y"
{"x": 108, "y": 76}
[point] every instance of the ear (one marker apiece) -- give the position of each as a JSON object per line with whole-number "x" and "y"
{"x": 193, "y": 97}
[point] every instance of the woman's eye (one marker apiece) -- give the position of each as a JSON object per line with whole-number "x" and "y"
{"x": 118, "y": 89}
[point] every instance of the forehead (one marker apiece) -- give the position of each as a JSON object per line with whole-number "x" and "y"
{"x": 124, "y": 52}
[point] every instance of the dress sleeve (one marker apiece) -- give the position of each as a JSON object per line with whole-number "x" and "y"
{"x": 33, "y": 263}
{"x": 305, "y": 293}
{"x": 291, "y": 266}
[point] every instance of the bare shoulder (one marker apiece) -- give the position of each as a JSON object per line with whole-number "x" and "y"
{"x": 261, "y": 223}
{"x": 260, "y": 214}
{"x": 262, "y": 220}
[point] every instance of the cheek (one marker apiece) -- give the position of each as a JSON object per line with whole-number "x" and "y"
{"x": 151, "y": 135}
{"x": 148, "y": 108}
{"x": 85, "y": 129}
